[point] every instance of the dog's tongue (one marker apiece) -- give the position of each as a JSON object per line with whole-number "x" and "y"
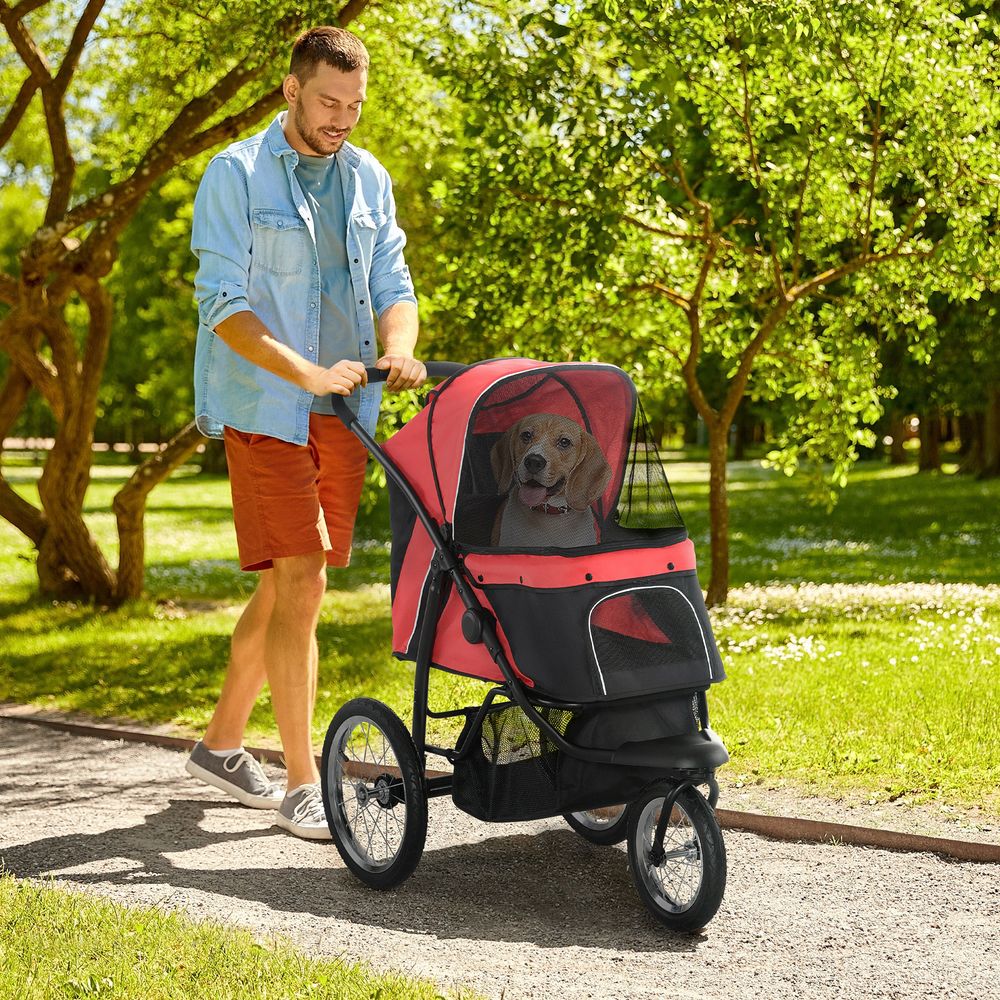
{"x": 532, "y": 496}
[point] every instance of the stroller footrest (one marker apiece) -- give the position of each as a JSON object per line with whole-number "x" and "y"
{"x": 701, "y": 750}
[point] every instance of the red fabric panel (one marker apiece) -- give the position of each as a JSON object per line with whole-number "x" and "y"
{"x": 626, "y": 616}
{"x": 569, "y": 571}
{"x": 451, "y": 418}
{"x": 409, "y": 587}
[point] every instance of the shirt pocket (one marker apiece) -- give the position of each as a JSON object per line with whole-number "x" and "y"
{"x": 364, "y": 227}
{"x": 280, "y": 241}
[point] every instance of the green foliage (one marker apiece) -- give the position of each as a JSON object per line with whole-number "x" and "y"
{"x": 829, "y": 166}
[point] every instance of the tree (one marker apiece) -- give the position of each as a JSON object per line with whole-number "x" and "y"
{"x": 740, "y": 186}
{"x": 138, "y": 89}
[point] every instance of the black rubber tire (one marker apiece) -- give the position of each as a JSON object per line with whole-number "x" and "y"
{"x": 398, "y": 866}
{"x": 709, "y": 853}
{"x": 603, "y": 836}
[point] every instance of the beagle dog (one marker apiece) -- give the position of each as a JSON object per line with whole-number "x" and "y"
{"x": 551, "y": 471}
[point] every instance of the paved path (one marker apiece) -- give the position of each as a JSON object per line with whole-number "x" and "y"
{"x": 523, "y": 911}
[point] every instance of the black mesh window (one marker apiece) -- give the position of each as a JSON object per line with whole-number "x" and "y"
{"x": 649, "y": 637}
{"x": 646, "y": 501}
{"x": 561, "y": 459}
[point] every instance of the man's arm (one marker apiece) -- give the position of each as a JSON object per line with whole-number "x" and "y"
{"x": 248, "y": 336}
{"x": 397, "y": 330}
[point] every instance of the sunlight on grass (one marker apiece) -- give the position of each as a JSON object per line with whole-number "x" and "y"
{"x": 55, "y": 943}
{"x": 879, "y": 674}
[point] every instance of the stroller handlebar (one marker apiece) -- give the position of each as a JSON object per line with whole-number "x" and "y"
{"x": 435, "y": 369}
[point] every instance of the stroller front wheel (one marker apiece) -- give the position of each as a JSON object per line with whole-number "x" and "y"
{"x": 373, "y": 793}
{"x": 681, "y": 883}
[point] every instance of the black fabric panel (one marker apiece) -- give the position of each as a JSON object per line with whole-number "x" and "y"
{"x": 550, "y": 638}
{"x": 402, "y": 518}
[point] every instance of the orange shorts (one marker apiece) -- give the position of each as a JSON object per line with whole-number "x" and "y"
{"x": 289, "y": 499}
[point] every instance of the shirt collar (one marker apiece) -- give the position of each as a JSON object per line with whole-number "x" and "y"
{"x": 280, "y": 147}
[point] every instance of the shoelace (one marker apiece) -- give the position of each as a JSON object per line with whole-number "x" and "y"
{"x": 233, "y": 763}
{"x": 240, "y": 759}
{"x": 310, "y": 807}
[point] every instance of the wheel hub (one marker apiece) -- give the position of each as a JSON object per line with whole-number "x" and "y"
{"x": 383, "y": 791}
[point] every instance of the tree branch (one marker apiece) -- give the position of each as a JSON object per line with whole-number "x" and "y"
{"x": 8, "y": 289}
{"x": 129, "y": 506}
{"x": 25, "y": 7}
{"x": 16, "y": 111}
{"x": 671, "y": 294}
{"x": 80, "y": 35}
{"x": 27, "y": 518}
{"x": 40, "y": 371}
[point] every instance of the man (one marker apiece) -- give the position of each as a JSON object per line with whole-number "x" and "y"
{"x": 297, "y": 245}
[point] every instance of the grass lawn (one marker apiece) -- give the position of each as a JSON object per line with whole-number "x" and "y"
{"x": 861, "y": 645}
{"x": 65, "y": 944}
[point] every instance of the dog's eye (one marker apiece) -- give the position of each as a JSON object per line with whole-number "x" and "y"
{"x": 526, "y": 436}
{"x": 564, "y": 443}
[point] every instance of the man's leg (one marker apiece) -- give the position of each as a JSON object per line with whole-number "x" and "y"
{"x": 246, "y": 673}
{"x": 290, "y": 654}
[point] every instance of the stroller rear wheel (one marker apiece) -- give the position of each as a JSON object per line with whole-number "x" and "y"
{"x": 681, "y": 884}
{"x": 605, "y": 826}
{"x": 373, "y": 793}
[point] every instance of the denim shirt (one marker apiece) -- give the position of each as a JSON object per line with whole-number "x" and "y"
{"x": 255, "y": 241}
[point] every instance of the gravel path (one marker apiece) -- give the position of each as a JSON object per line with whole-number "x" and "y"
{"x": 519, "y": 911}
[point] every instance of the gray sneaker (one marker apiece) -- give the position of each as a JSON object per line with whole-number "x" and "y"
{"x": 238, "y": 774}
{"x": 302, "y": 813}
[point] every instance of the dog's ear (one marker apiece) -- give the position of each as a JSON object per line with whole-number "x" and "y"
{"x": 589, "y": 479}
{"x": 502, "y": 459}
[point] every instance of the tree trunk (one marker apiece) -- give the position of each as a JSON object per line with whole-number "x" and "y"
{"x": 930, "y": 441}
{"x": 70, "y": 562}
{"x": 718, "y": 507}
{"x": 742, "y": 425}
{"x": 130, "y": 509}
{"x": 897, "y": 431}
{"x": 991, "y": 434}
{"x": 971, "y": 427}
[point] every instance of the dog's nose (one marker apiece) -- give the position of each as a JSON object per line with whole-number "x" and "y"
{"x": 534, "y": 463}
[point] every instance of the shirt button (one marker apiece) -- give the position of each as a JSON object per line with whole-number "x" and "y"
{"x": 355, "y": 260}
{"x": 312, "y": 305}
{"x": 362, "y": 301}
{"x": 309, "y": 349}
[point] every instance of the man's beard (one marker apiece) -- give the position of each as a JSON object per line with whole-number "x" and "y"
{"x": 314, "y": 138}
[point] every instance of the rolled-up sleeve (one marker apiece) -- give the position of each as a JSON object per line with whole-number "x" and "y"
{"x": 390, "y": 280}
{"x": 221, "y": 240}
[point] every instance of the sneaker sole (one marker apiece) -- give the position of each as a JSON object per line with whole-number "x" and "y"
{"x": 305, "y": 832}
{"x": 241, "y": 795}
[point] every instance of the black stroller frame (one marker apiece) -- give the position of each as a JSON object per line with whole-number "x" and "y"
{"x": 681, "y": 763}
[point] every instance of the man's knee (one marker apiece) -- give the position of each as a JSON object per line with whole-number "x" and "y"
{"x": 300, "y": 580}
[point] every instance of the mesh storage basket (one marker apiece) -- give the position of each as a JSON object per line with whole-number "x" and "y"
{"x": 509, "y": 771}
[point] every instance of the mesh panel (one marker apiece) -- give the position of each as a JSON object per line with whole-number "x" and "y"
{"x": 646, "y": 501}
{"x": 648, "y": 637}
{"x": 510, "y": 773}
{"x": 548, "y": 453}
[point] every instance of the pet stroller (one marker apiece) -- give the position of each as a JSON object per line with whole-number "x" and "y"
{"x": 576, "y": 595}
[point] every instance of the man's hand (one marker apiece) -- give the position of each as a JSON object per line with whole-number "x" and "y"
{"x": 404, "y": 372}
{"x": 342, "y": 379}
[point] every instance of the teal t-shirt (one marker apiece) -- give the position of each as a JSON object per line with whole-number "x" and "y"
{"x": 339, "y": 336}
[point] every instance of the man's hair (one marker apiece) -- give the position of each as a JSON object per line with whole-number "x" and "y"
{"x": 333, "y": 46}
